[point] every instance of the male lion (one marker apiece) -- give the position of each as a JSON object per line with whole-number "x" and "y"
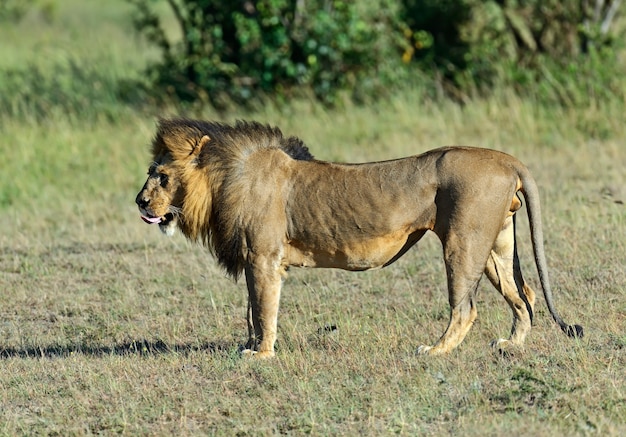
{"x": 262, "y": 203}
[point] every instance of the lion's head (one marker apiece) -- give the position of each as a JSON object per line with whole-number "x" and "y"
{"x": 195, "y": 162}
{"x": 159, "y": 200}
{"x": 162, "y": 197}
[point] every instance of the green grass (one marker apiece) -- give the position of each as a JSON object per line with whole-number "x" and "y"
{"x": 107, "y": 327}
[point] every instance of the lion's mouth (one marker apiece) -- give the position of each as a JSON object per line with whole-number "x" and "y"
{"x": 164, "y": 220}
{"x": 151, "y": 220}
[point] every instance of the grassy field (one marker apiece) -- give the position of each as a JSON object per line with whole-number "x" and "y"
{"x": 107, "y": 327}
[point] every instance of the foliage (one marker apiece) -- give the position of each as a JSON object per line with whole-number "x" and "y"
{"x": 14, "y": 10}
{"x": 238, "y": 51}
{"x": 477, "y": 44}
{"x": 434, "y": 31}
{"x": 235, "y": 51}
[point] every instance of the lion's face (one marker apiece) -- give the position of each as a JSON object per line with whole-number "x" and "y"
{"x": 159, "y": 199}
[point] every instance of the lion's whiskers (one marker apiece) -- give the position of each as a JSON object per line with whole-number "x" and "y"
{"x": 175, "y": 210}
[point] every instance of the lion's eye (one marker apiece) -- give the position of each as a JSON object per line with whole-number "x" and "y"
{"x": 163, "y": 179}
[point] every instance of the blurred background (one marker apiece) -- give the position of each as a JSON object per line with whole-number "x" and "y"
{"x": 92, "y": 59}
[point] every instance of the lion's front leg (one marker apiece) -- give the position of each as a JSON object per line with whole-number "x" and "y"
{"x": 264, "y": 282}
{"x": 252, "y": 343}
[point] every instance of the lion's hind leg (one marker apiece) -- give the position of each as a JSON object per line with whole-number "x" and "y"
{"x": 464, "y": 273}
{"x": 503, "y": 270}
{"x": 462, "y": 316}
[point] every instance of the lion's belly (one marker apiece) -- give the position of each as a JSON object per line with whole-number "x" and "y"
{"x": 366, "y": 254}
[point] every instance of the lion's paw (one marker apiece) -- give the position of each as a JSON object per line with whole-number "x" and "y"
{"x": 264, "y": 355}
{"x": 505, "y": 348}
{"x": 500, "y": 343}
{"x": 424, "y": 350}
{"x": 249, "y": 353}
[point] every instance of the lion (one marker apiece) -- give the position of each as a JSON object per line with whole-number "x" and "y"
{"x": 261, "y": 203}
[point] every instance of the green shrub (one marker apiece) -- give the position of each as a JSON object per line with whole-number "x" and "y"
{"x": 239, "y": 51}
{"x": 14, "y": 10}
{"x": 559, "y": 51}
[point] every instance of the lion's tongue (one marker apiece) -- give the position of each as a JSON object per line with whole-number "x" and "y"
{"x": 151, "y": 220}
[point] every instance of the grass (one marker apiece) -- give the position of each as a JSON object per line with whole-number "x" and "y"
{"x": 106, "y": 327}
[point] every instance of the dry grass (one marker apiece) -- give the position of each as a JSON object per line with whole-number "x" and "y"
{"x": 108, "y": 327}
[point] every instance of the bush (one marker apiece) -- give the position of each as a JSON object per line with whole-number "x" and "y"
{"x": 532, "y": 45}
{"x": 14, "y": 10}
{"x": 239, "y": 51}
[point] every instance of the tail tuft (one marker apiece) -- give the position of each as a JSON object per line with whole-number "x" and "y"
{"x": 573, "y": 331}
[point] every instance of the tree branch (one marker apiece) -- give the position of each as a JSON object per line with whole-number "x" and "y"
{"x": 608, "y": 18}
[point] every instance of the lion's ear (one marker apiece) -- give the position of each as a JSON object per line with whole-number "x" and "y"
{"x": 199, "y": 145}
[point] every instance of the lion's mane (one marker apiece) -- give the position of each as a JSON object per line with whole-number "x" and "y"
{"x": 214, "y": 202}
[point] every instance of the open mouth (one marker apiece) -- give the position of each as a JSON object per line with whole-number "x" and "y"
{"x": 151, "y": 220}
{"x": 160, "y": 220}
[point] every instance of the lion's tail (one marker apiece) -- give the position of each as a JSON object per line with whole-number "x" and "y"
{"x": 533, "y": 207}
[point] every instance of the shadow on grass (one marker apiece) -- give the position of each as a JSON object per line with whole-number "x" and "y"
{"x": 135, "y": 347}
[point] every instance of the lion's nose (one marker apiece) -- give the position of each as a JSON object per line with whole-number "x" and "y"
{"x": 141, "y": 201}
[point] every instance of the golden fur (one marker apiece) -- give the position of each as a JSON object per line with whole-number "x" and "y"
{"x": 261, "y": 203}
